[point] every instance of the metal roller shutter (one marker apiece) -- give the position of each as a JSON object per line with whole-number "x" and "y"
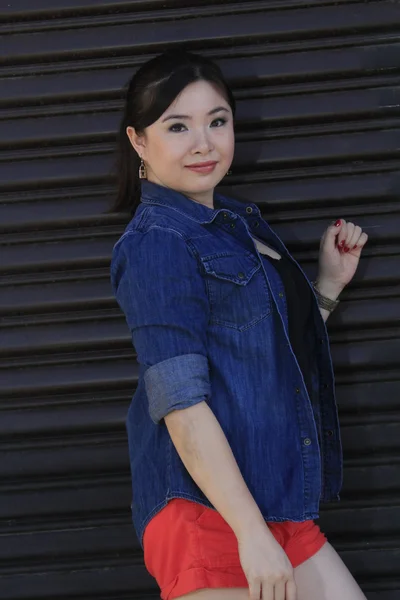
{"x": 318, "y": 137}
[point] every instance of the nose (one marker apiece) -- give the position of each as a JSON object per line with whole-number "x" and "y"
{"x": 203, "y": 143}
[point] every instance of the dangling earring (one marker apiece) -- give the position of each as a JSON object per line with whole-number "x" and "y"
{"x": 142, "y": 170}
{"x": 229, "y": 172}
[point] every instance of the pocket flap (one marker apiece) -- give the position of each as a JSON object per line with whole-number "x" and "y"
{"x": 237, "y": 268}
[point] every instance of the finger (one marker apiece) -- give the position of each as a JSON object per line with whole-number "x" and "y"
{"x": 330, "y": 235}
{"x": 352, "y": 241}
{"x": 291, "y": 591}
{"x": 267, "y": 591}
{"x": 363, "y": 240}
{"x": 356, "y": 240}
{"x": 341, "y": 238}
{"x": 280, "y": 590}
{"x": 360, "y": 244}
{"x": 356, "y": 236}
{"x": 255, "y": 589}
{"x": 349, "y": 235}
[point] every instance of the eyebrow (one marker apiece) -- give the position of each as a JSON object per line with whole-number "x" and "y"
{"x": 212, "y": 112}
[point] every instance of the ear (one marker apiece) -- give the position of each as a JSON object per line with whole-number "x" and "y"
{"x": 138, "y": 141}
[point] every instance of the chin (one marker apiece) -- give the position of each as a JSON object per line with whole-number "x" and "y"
{"x": 205, "y": 185}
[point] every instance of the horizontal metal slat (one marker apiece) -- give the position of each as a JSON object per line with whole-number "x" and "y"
{"x": 349, "y": 522}
{"x": 318, "y": 65}
{"x": 90, "y": 292}
{"x": 373, "y": 354}
{"x": 244, "y": 27}
{"x": 59, "y": 336}
{"x": 372, "y": 438}
{"x": 73, "y": 375}
{"x": 81, "y": 546}
{"x": 109, "y": 581}
{"x": 69, "y": 459}
{"x": 25, "y": 8}
{"x": 62, "y": 415}
{"x": 54, "y": 254}
{"x": 25, "y": 506}
{"x": 368, "y": 481}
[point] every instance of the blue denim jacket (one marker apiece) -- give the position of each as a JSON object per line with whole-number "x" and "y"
{"x": 209, "y": 323}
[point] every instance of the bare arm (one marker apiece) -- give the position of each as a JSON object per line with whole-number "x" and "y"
{"x": 206, "y": 454}
{"x": 340, "y": 251}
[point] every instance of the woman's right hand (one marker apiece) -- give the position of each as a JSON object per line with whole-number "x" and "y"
{"x": 267, "y": 568}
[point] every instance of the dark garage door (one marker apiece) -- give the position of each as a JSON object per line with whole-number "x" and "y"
{"x": 318, "y": 88}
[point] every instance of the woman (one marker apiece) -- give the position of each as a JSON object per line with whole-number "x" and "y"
{"x": 233, "y": 430}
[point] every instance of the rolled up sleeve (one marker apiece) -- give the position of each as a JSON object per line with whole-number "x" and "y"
{"x": 176, "y": 383}
{"x": 159, "y": 287}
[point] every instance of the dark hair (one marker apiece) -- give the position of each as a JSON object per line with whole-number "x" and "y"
{"x": 150, "y": 92}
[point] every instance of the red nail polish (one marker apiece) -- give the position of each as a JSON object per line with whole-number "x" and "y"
{"x": 346, "y": 249}
{"x": 338, "y": 223}
{"x": 354, "y": 247}
{"x": 342, "y": 243}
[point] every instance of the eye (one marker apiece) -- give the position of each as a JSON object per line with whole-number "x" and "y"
{"x": 221, "y": 122}
{"x": 176, "y": 127}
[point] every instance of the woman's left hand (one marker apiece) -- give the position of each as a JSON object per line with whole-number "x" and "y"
{"x": 340, "y": 251}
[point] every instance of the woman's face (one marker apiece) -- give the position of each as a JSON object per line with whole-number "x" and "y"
{"x": 196, "y": 128}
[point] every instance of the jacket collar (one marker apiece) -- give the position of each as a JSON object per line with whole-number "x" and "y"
{"x": 152, "y": 193}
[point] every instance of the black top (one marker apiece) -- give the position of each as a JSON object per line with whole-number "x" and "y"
{"x": 299, "y": 307}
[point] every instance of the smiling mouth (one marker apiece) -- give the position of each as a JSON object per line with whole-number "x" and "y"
{"x": 202, "y": 165}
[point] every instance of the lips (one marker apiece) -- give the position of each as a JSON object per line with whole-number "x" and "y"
{"x": 210, "y": 163}
{"x": 203, "y": 168}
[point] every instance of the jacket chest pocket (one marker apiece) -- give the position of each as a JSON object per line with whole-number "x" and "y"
{"x": 237, "y": 290}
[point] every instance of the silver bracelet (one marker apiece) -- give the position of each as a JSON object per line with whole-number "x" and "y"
{"x": 323, "y": 301}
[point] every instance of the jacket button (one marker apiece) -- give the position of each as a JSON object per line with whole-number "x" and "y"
{"x": 225, "y": 215}
{"x": 307, "y": 442}
{"x": 329, "y": 433}
{"x": 281, "y": 294}
{"x": 297, "y": 390}
{"x": 233, "y": 225}
{"x": 249, "y": 210}
{"x": 241, "y": 275}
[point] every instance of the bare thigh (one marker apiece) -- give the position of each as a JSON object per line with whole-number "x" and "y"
{"x": 324, "y": 576}
{"x": 218, "y": 594}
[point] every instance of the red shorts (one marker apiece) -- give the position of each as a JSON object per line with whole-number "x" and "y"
{"x": 189, "y": 547}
